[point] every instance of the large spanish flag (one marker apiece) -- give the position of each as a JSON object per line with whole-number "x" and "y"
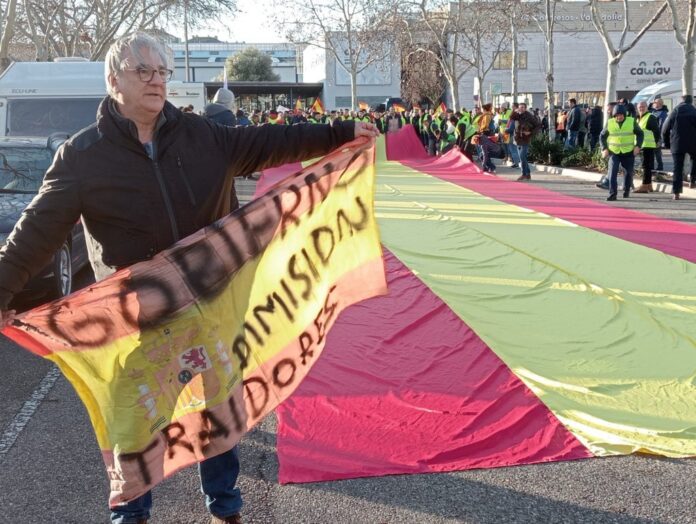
{"x": 177, "y": 357}
{"x": 521, "y": 326}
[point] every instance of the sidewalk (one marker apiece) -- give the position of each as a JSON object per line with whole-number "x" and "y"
{"x": 660, "y": 186}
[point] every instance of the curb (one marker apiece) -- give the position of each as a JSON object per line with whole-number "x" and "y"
{"x": 590, "y": 176}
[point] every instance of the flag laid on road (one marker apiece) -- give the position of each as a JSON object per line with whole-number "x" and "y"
{"x": 177, "y": 357}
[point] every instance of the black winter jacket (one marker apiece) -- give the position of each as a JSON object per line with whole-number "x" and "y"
{"x": 679, "y": 130}
{"x": 134, "y": 207}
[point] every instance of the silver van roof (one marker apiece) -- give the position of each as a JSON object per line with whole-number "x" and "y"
{"x": 51, "y": 79}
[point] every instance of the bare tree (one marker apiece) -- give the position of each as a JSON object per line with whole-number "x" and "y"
{"x": 545, "y": 20}
{"x": 484, "y": 34}
{"x": 616, "y": 53}
{"x": 352, "y": 31}
{"x": 9, "y": 16}
{"x": 686, "y": 36}
{"x": 434, "y": 28}
{"x": 65, "y": 27}
{"x": 421, "y": 78}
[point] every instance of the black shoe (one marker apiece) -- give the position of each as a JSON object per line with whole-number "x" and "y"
{"x": 601, "y": 186}
{"x": 611, "y": 198}
{"x": 522, "y": 178}
{"x": 515, "y": 166}
{"x": 625, "y": 195}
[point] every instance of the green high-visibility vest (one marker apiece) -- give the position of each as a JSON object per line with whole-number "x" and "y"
{"x": 504, "y": 117}
{"x": 273, "y": 121}
{"x": 648, "y": 136}
{"x": 622, "y": 139}
{"x": 465, "y": 119}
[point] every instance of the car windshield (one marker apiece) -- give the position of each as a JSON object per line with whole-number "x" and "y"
{"x": 42, "y": 117}
{"x": 23, "y": 168}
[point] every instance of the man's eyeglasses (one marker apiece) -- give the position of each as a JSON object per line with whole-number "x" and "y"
{"x": 146, "y": 74}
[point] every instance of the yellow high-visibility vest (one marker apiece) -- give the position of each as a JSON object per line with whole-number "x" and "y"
{"x": 648, "y": 136}
{"x": 621, "y": 139}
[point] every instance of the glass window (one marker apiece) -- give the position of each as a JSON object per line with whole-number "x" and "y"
{"x": 42, "y": 117}
{"x": 504, "y": 60}
{"x": 23, "y": 168}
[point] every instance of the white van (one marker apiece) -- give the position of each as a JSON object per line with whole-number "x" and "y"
{"x": 669, "y": 90}
{"x": 41, "y": 98}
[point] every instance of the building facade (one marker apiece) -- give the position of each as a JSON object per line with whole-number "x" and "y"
{"x": 580, "y": 58}
{"x": 375, "y": 83}
{"x": 206, "y": 60}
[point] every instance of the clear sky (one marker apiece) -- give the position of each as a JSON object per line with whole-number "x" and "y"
{"x": 255, "y": 22}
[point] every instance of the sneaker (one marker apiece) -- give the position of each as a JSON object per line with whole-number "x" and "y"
{"x": 515, "y": 166}
{"x": 676, "y": 196}
{"x": 232, "y": 519}
{"x": 611, "y": 198}
{"x": 601, "y": 186}
{"x": 521, "y": 178}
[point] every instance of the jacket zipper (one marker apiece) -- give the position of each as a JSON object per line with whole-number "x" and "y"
{"x": 182, "y": 175}
{"x": 167, "y": 201}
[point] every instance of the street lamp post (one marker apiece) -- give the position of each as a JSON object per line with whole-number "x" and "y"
{"x": 186, "y": 48}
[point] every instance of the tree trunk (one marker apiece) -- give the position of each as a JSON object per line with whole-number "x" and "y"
{"x": 550, "y": 95}
{"x": 513, "y": 66}
{"x": 688, "y": 69}
{"x": 454, "y": 92}
{"x": 7, "y": 34}
{"x": 353, "y": 89}
{"x": 612, "y": 72}
{"x": 479, "y": 89}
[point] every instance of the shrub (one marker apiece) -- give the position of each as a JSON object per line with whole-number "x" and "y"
{"x": 577, "y": 158}
{"x": 544, "y": 151}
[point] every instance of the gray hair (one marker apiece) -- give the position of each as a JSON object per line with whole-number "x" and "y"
{"x": 131, "y": 45}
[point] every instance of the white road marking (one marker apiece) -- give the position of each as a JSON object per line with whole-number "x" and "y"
{"x": 22, "y": 418}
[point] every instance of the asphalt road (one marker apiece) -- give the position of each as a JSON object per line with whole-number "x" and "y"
{"x": 51, "y": 470}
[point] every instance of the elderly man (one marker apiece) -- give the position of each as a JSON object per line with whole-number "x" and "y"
{"x": 621, "y": 141}
{"x": 660, "y": 112}
{"x": 651, "y": 137}
{"x": 143, "y": 177}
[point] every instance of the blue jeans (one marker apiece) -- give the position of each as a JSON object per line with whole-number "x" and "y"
{"x": 572, "y": 140}
{"x": 514, "y": 154}
{"x": 626, "y": 160}
{"x": 523, "y": 149}
{"x": 486, "y": 145}
{"x": 218, "y": 479}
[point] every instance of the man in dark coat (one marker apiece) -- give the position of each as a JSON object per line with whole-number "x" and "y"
{"x": 574, "y": 123}
{"x": 144, "y": 176}
{"x": 679, "y": 135}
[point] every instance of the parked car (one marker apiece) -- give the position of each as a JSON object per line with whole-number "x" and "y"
{"x": 23, "y": 163}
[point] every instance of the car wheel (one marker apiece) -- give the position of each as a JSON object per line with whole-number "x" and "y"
{"x": 62, "y": 272}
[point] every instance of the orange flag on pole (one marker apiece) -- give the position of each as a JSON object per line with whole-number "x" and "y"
{"x": 317, "y": 106}
{"x": 442, "y": 108}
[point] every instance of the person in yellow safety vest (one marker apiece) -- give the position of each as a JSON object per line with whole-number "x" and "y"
{"x": 465, "y": 116}
{"x": 362, "y": 116}
{"x": 274, "y": 118}
{"x": 651, "y": 137}
{"x": 315, "y": 118}
{"x": 621, "y": 141}
{"x": 503, "y": 135}
{"x": 448, "y": 136}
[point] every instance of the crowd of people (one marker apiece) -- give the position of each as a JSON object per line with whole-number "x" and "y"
{"x": 505, "y": 132}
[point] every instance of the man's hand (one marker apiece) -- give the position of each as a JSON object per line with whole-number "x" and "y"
{"x": 6, "y": 318}
{"x": 605, "y": 153}
{"x": 636, "y": 151}
{"x": 366, "y": 129}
